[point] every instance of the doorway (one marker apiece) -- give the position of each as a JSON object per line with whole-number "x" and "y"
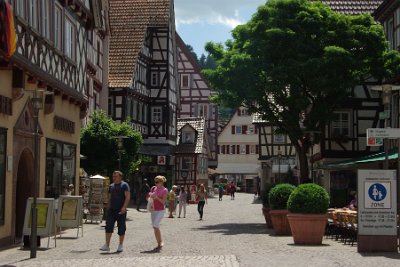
{"x": 24, "y": 190}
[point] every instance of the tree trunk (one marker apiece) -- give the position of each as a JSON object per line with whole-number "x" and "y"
{"x": 303, "y": 162}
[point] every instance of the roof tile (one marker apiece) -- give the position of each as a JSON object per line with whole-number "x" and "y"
{"x": 353, "y": 7}
{"x": 129, "y": 20}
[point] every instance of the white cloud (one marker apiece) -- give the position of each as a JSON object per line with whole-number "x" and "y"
{"x": 224, "y": 12}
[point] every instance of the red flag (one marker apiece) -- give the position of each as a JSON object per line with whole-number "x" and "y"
{"x": 11, "y": 36}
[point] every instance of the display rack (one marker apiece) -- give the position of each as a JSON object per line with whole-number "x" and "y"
{"x": 95, "y": 202}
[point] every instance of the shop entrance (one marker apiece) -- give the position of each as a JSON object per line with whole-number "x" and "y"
{"x": 24, "y": 190}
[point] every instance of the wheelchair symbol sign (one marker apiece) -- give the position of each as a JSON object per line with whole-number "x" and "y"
{"x": 377, "y": 192}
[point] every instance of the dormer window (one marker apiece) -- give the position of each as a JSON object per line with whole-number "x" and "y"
{"x": 187, "y": 137}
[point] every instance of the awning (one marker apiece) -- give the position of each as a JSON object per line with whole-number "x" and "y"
{"x": 157, "y": 150}
{"x": 212, "y": 171}
{"x": 393, "y": 154}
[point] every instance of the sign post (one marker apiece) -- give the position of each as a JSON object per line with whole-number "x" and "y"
{"x": 377, "y": 211}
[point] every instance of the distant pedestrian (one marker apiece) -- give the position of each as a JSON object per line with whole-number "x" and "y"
{"x": 171, "y": 201}
{"x": 143, "y": 192}
{"x": 201, "y": 196}
{"x": 220, "y": 191}
{"x": 159, "y": 195}
{"x": 182, "y": 201}
{"x": 118, "y": 200}
{"x": 232, "y": 191}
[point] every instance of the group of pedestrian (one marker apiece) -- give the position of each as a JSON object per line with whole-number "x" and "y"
{"x": 119, "y": 197}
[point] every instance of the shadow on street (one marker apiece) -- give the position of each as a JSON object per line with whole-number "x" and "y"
{"x": 236, "y": 228}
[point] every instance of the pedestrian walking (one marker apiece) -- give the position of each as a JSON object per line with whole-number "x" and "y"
{"x": 182, "y": 198}
{"x": 143, "y": 192}
{"x": 220, "y": 191}
{"x": 201, "y": 196}
{"x": 232, "y": 191}
{"x": 171, "y": 201}
{"x": 118, "y": 200}
{"x": 159, "y": 195}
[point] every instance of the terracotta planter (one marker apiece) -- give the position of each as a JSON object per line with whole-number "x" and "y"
{"x": 280, "y": 222}
{"x": 267, "y": 217}
{"x": 307, "y": 229}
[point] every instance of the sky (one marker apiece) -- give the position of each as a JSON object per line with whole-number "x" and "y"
{"x": 200, "y": 21}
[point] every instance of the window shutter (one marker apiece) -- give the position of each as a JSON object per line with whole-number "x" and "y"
{"x": 238, "y": 149}
{"x": 247, "y": 149}
{"x": 233, "y": 129}
{"x": 256, "y": 149}
{"x": 244, "y": 129}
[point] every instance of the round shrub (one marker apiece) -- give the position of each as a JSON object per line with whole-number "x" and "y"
{"x": 308, "y": 198}
{"x": 265, "y": 194}
{"x": 278, "y": 196}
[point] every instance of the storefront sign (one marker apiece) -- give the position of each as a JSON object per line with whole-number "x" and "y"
{"x": 377, "y": 202}
{"x": 64, "y": 125}
{"x": 45, "y": 216}
{"x": 69, "y": 211}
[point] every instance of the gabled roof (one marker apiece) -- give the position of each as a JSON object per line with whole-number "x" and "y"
{"x": 129, "y": 20}
{"x": 353, "y": 7}
{"x": 199, "y": 125}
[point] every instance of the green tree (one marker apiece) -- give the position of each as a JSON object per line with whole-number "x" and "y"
{"x": 100, "y": 145}
{"x": 295, "y": 61}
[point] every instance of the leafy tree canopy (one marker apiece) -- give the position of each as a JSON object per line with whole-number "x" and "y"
{"x": 100, "y": 145}
{"x": 295, "y": 61}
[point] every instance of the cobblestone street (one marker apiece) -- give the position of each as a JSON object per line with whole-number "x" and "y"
{"x": 232, "y": 233}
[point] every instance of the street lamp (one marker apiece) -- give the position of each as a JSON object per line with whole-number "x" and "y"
{"x": 120, "y": 140}
{"x": 37, "y": 104}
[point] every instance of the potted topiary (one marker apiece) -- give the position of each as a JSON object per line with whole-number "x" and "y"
{"x": 308, "y": 205}
{"x": 266, "y": 208}
{"x": 278, "y": 197}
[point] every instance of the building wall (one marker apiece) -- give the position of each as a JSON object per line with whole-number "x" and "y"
{"x": 234, "y": 166}
{"x": 16, "y": 143}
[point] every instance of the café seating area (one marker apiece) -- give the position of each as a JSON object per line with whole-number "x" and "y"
{"x": 342, "y": 225}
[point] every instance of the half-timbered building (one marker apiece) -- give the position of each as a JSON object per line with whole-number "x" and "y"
{"x": 96, "y": 83}
{"x": 46, "y": 73}
{"x": 143, "y": 85}
{"x": 345, "y": 137}
{"x": 195, "y": 95}
{"x": 238, "y": 151}
{"x": 276, "y": 154}
{"x": 192, "y": 153}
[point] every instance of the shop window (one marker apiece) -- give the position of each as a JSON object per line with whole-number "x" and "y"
{"x": 60, "y": 167}
{"x": 3, "y": 147}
